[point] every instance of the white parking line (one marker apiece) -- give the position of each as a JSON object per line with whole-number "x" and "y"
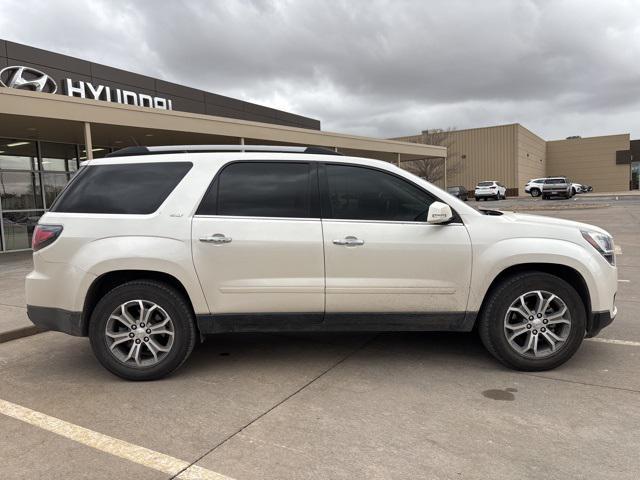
{"x": 119, "y": 448}
{"x": 624, "y": 281}
{"x": 615, "y": 342}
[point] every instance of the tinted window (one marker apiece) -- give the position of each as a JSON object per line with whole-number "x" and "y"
{"x": 485, "y": 184}
{"x": 554, "y": 180}
{"x": 260, "y": 189}
{"x": 135, "y": 188}
{"x": 364, "y": 194}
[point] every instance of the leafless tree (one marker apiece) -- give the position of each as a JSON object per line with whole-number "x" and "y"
{"x": 432, "y": 168}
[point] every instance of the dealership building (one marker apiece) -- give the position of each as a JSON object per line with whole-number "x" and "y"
{"x": 513, "y": 155}
{"x": 56, "y": 111}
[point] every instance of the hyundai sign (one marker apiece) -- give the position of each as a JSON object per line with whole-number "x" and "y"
{"x": 27, "y": 78}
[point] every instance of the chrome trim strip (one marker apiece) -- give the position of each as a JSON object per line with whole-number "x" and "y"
{"x": 327, "y": 220}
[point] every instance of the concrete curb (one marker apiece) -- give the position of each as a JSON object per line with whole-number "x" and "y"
{"x": 21, "y": 332}
{"x": 561, "y": 207}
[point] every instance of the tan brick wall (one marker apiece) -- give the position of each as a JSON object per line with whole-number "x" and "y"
{"x": 532, "y": 157}
{"x": 590, "y": 160}
{"x": 513, "y": 155}
{"x": 489, "y": 154}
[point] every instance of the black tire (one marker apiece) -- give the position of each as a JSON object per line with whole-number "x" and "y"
{"x": 545, "y": 197}
{"x": 477, "y": 199}
{"x": 535, "y": 192}
{"x": 499, "y": 299}
{"x": 166, "y": 297}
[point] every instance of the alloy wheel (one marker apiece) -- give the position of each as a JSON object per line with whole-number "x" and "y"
{"x": 537, "y": 324}
{"x": 139, "y": 333}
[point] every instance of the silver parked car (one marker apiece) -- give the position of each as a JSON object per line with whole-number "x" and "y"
{"x": 557, "y": 187}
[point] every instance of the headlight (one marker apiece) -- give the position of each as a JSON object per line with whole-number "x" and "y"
{"x": 602, "y": 242}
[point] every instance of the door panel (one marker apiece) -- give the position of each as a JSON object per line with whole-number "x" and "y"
{"x": 257, "y": 239}
{"x": 399, "y": 267}
{"x": 380, "y": 254}
{"x": 269, "y": 265}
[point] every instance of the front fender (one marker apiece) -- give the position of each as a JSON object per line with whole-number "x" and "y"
{"x": 157, "y": 254}
{"x": 492, "y": 260}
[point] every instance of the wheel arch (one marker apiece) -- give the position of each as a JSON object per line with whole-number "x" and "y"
{"x": 565, "y": 272}
{"x": 104, "y": 283}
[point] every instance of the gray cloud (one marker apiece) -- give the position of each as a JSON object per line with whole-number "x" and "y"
{"x": 380, "y": 68}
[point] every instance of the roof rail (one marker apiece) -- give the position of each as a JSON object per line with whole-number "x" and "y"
{"x": 134, "y": 151}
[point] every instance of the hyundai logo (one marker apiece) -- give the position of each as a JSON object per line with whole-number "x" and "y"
{"x": 27, "y": 78}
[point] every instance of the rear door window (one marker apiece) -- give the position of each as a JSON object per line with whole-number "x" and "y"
{"x": 261, "y": 189}
{"x": 127, "y": 188}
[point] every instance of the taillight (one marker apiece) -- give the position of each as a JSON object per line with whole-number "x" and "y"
{"x": 45, "y": 235}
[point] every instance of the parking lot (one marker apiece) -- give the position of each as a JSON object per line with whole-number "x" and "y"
{"x": 374, "y": 406}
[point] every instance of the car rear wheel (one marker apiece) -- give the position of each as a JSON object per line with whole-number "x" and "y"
{"x": 535, "y": 192}
{"x": 532, "y": 321}
{"x": 142, "y": 330}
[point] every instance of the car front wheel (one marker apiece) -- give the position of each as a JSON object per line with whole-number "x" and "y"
{"x": 532, "y": 321}
{"x": 142, "y": 330}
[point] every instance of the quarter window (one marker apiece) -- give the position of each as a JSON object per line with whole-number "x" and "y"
{"x": 135, "y": 188}
{"x": 260, "y": 189}
{"x": 359, "y": 193}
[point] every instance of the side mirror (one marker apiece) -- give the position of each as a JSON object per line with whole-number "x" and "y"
{"x": 439, "y": 213}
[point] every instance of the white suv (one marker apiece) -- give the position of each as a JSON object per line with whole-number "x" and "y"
{"x": 150, "y": 249}
{"x": 490, "y": 189}
{"x": 534, "y": 186}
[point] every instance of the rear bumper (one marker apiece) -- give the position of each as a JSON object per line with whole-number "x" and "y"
{"x": 598, "y": 321}
{"x": 57, "y": 319}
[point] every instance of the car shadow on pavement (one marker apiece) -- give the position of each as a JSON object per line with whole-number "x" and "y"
{"x": 251, "y": 351}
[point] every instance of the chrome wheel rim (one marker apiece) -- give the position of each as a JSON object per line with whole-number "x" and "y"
{"x": 537, "y": 324}
{"x": 139, "y": 333}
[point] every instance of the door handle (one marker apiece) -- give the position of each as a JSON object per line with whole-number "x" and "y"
{"x": 349, "y": 241}
{"x": 217, "y": 238}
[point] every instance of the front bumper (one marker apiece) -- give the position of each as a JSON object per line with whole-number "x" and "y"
{"x": 598, "y": 321}
{"x": 57, "y": 319}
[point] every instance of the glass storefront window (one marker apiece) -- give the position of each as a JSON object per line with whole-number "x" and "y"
{"x": 20, "y": 190}
{"x": 635, "y": 175}
{"x": 32, "y": 174}
{"x": 53, "y": 185}
{"x": 61, "y": 157}
{"x": 18, "y": 228}
{"x": 17, "y": 154}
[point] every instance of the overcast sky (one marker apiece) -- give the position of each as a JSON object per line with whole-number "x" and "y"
{"x": 371, "y": 67}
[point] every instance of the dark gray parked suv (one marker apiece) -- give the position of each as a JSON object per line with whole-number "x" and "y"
{"x": 556, "y": 186}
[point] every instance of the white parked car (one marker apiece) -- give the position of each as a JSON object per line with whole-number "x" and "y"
{"x": 534, "y": 187}
{"x": 148, "y": 250}
{"x": 577, "y": 188}
{"x": 490, "y": 189}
